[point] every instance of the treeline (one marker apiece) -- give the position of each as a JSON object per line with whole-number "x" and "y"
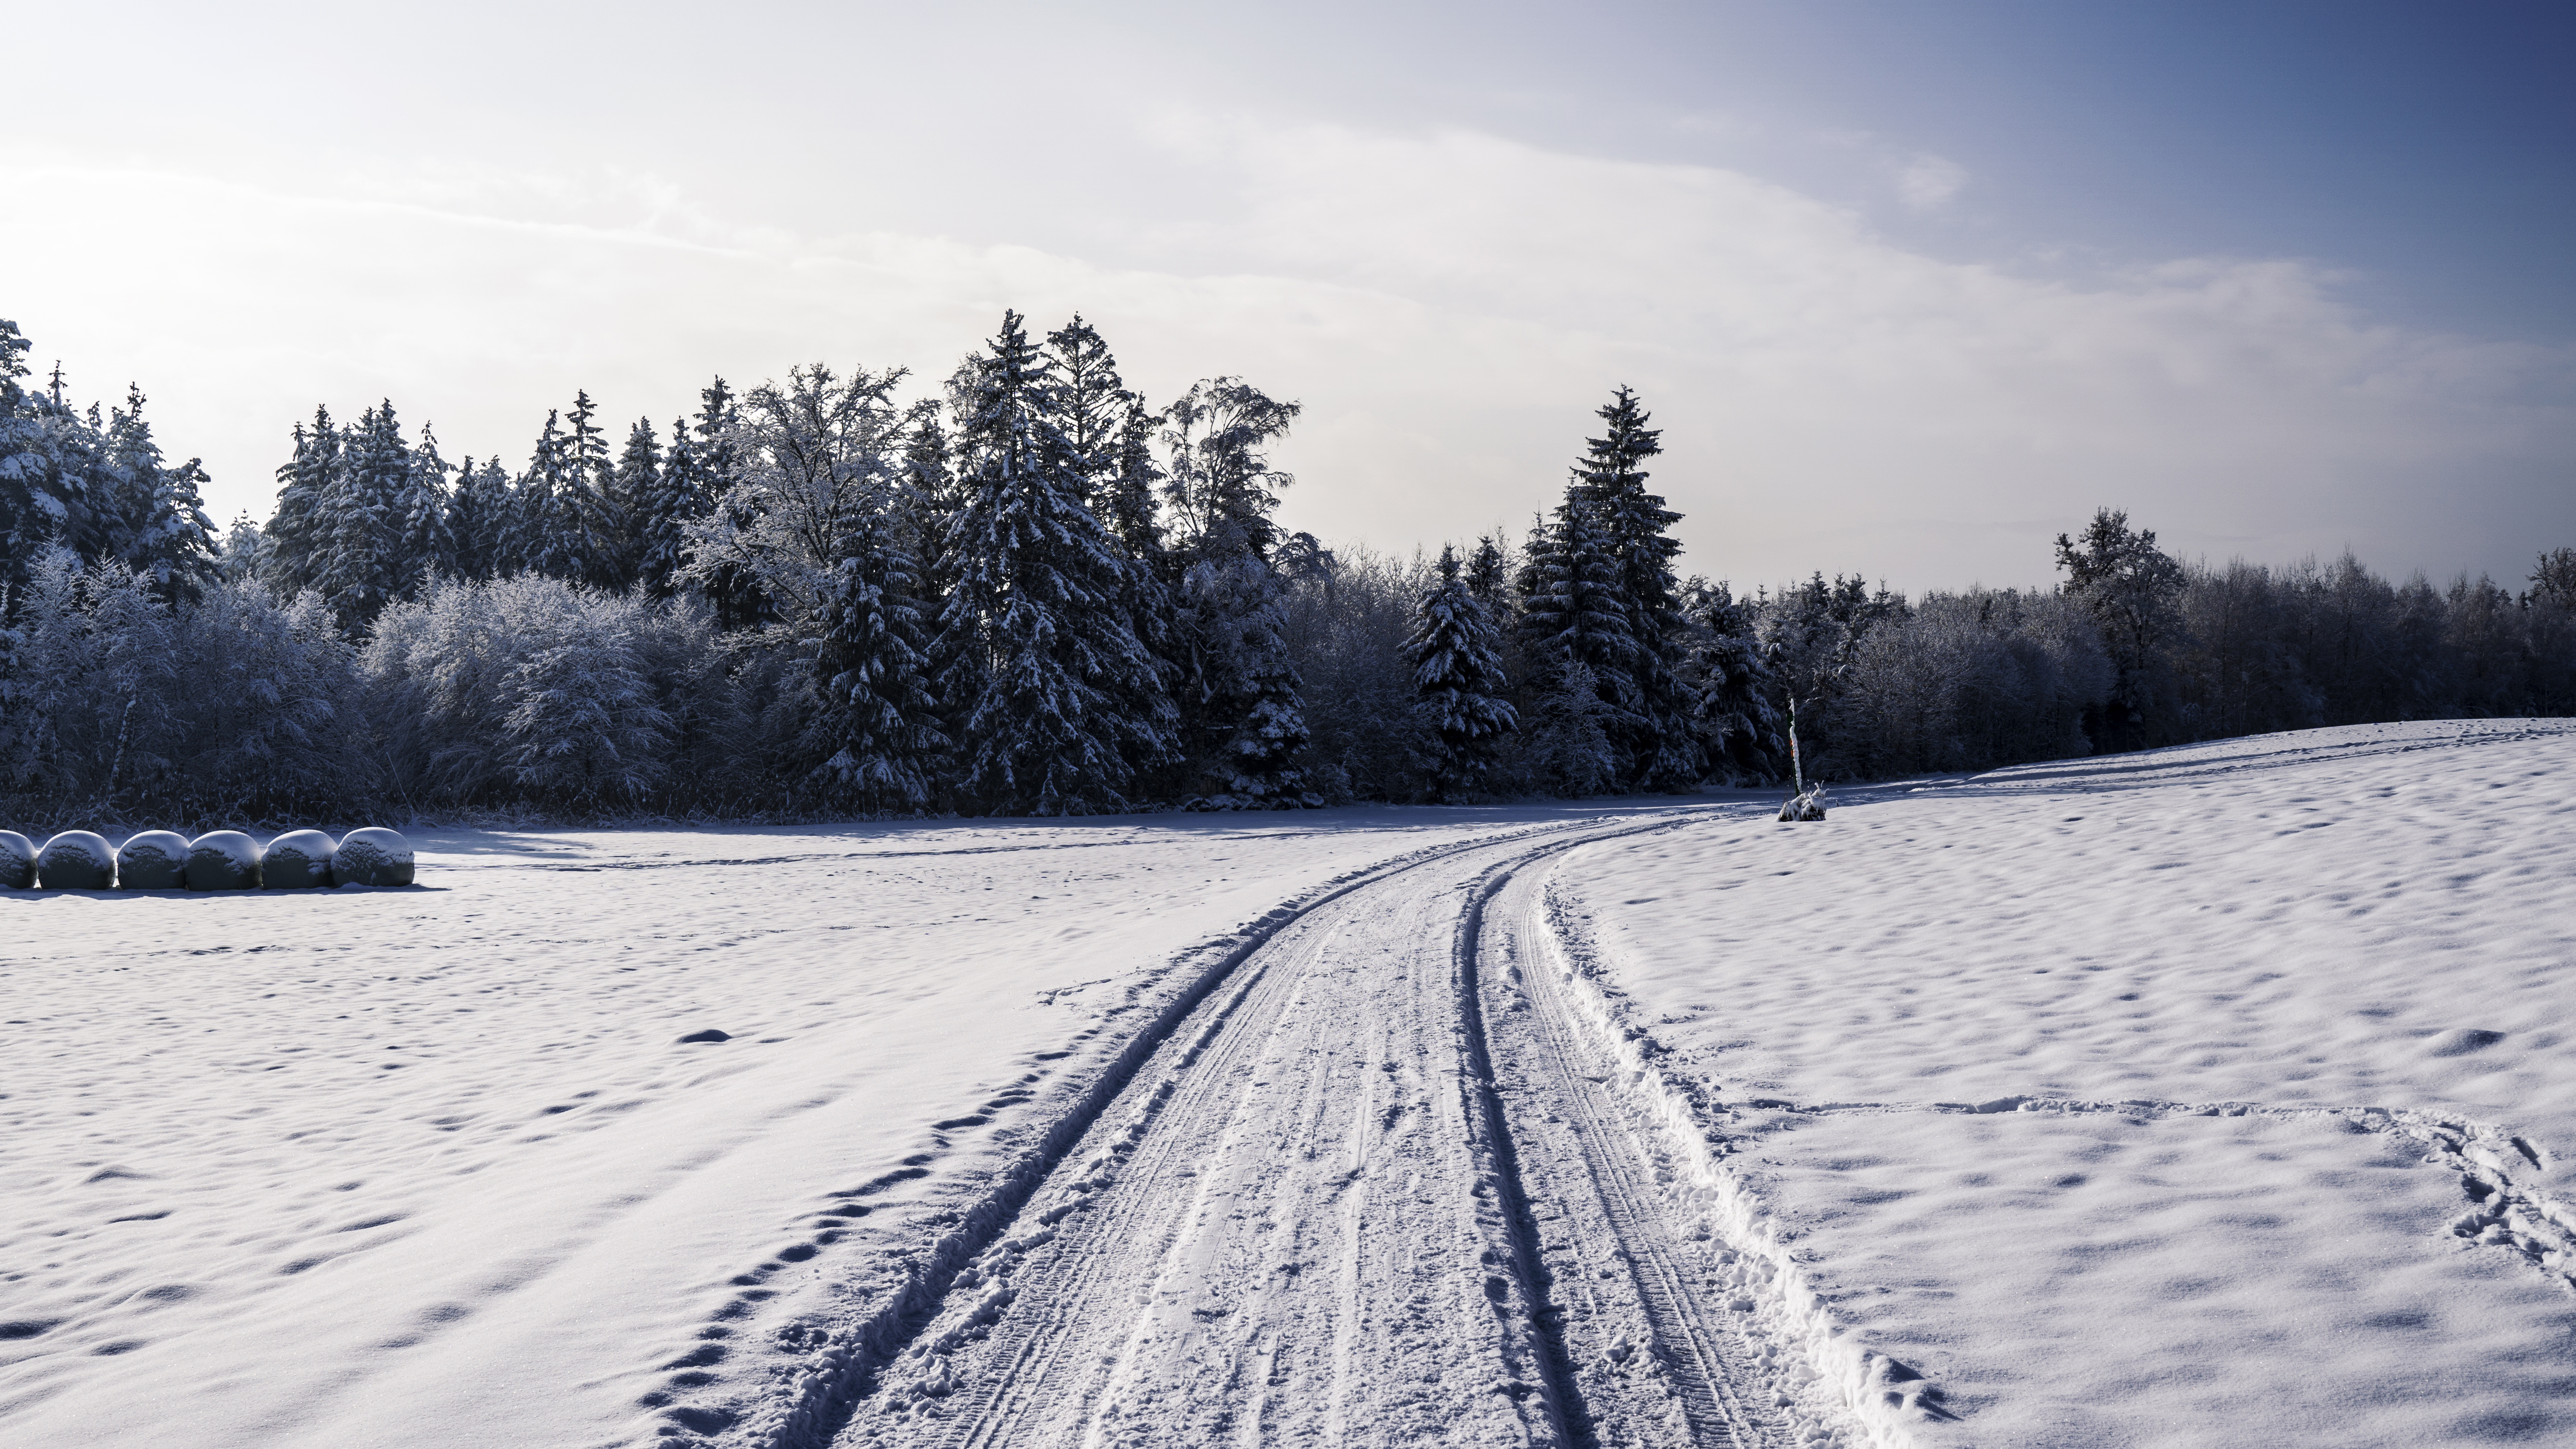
{"x": 1036, "y": 594}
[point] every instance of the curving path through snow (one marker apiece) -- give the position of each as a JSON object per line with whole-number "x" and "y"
{"x": 1364, "y": 1194}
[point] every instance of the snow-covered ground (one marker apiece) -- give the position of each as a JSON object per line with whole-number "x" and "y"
{"x": 434, "y": 1166}
{"x": 2214, "y": 1096}
{"x": 2231, "y": 1020}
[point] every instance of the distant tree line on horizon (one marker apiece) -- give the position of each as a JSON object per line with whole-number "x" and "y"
{"x": 1036, "y": 594}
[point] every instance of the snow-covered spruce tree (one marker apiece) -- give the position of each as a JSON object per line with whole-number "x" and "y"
{"x": 1489, "y": 578}
{"x": 298, "y": 531}
{"x": 1036, "y": 647}
{"x": 151, "y": 515}
{"x": 925, "y": 493}
{"x": 1243, "y": 726}
{"x": 1574, "y": 633}
{"x": 1106, "y": 438}
{"x": 538, "y": 537}
{"x": 32, "y": 514}
{"x": 353, "y": 571}
{"x": 672, "y": 497}
{"x": 478, "y": 520}
{"x": 1735, "y": 704}
{"x": 239, "y": 559}
{"x": 592, "y": 527}
{"x": 1654, "y": 736}
{"x": 876, "y": 726}
{"x": 634, "y": 489}
{"x": 1458, "y": 683}
{"x": 424, "y": 542}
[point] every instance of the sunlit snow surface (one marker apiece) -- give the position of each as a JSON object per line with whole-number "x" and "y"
{"x": 2329, "y": 919}
{"x": 433, "y": 1166}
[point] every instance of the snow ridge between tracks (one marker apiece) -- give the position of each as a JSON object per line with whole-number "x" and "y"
{"x": 1874, "y": 1394}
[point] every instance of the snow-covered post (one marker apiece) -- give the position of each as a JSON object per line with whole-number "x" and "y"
{"x": 1797, "y": 768}
{"x": 1807, "y": 804}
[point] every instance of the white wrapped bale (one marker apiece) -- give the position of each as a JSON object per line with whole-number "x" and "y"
{"x": 17, "y": 861}
{"x": 225, "y": 860}
{"x": 296, "y": 860}
{"x": 77, "y": 860}
{"x": 156, "y": 860}
{"x": 372, "y": 856}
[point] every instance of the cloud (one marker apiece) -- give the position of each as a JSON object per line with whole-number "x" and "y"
{"x": 1928, "y": 183}
{"x": 1449, "y": 305}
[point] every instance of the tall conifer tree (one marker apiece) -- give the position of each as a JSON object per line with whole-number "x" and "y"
{"x": 1458, "y": 682}
{"x": 538, "y": 541}
{"x": 878, "y": 726}
{"x": 355, "y": 571}
{"x": 1037, "y": 648}
{"x": 424, "y": 538}
{"x": 675, "y": 497}
{"x": 478, "y": 520}
{"x": 1654, "y": 735}
{"x": 298, "y": 532}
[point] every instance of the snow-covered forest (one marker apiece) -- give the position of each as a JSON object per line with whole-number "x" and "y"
{"x": 1039, "y": 593}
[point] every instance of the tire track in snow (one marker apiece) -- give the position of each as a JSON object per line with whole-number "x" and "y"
{"x": 1160, "y": 1286}
{"x": 810, "y": 1407}
{"x": 1655, "y": 1366}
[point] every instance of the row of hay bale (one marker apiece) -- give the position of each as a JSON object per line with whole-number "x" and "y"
{"x": 226, "y": 860}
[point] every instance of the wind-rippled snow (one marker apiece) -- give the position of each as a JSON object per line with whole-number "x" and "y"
{"x": 2273, "y": 931}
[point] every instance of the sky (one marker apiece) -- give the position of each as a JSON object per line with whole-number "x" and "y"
{"x": 1910, "y": 288}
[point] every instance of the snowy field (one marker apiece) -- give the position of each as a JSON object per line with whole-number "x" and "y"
{"x": 2216, "y": 1096}
{"x": 2222, "y": 1033}
{"x": 432, "y": 1166}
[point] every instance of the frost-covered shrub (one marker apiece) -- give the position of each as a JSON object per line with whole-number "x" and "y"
{"x": 17, "y": 861}
{"x": 1968, "y": 682}
{"x": 234, "y": 705}
{"x": 1345, "y": 624}
{"x": 95, "y": 675}
{"x": 297, "y": 860}
{"x": 273, "y": 711}
{"x": 223, "y": 860}
{"x": 76, "y": 860}
{"x": 534, "y": 688}
{"x": 374, "y": 856}
{"x": 156, "y": 860}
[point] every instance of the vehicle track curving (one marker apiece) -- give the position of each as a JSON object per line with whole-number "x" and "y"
{"x": 1303, "y": 1219}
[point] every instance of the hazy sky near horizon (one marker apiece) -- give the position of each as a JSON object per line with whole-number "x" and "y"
{"x": 1909, "y": 287}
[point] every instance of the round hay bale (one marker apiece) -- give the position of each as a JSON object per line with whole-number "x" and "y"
{"x": 374, "y": 856}
{"x": 76, "y": 860}
{"x": 17, "y": 861}
{"x": 156, "y": 860}
{"x": 296, "y": 860}
{"x": 224, "y": 860}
